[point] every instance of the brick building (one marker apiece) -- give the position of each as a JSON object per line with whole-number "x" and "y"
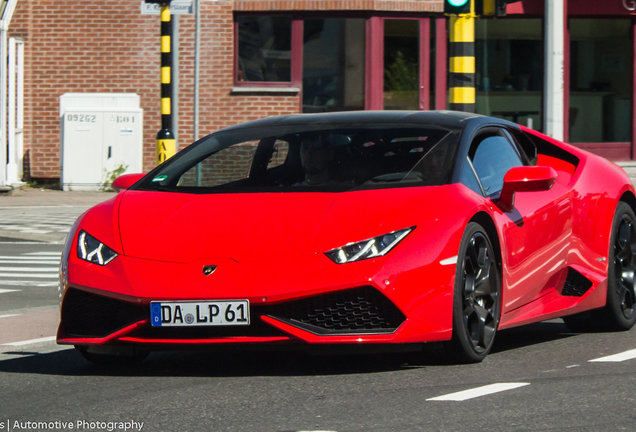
{"x": 271, "y": 57}
{"x": 109, "y": 46}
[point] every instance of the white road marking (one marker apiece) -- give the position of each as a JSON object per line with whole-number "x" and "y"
{"x": 479, "y": 391}
{"x": 9, "y": 316}
{"x": 31, "y": 341}
{"x": 2, "y": 291}
{"x": 32, "y": 258}
{"x": 627, "y": 355}
{"x": 31, "y": 269}
{"x": 43, "y": 253}
{"x": 30, "y": 275}
{"x": 449, "y": 261}
{"x": 31, "y": 283}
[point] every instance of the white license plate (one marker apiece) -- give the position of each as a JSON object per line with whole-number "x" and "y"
{"x": 200, "y": 313}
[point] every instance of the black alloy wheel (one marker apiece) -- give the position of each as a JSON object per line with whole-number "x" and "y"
{"x": 476, "y": 305}
{"x": 619, "y": 312}
{"x": 621, "y": 293}
{"x": 624, "y": 247}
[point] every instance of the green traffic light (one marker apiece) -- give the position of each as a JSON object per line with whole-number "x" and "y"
{"x": 457, "y": 3}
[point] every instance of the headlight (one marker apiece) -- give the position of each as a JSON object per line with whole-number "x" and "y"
{"x": 370, "y": 248}
{"x": 92, "y": 250}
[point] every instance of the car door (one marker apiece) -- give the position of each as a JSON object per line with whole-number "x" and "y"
{"x": 536, "y": 234}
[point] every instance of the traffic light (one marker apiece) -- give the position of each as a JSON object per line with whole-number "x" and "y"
{"x": 457, "y": 7}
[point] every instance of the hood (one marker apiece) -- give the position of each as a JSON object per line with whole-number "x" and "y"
{"x": 178, "y": 227}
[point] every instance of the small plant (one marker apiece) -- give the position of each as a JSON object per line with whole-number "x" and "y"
{"x": 402, "y": 74}
{"x": 110, "y": 177}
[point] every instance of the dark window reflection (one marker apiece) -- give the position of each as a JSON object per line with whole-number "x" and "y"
{"x": 509, "y": 75}
{"x": 333, "y": 65}
{"x": 600, "y": 80}
{"x": 264, "y": 49}
{"x": 401, "y": 65}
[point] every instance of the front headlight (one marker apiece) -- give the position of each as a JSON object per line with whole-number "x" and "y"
{"x": 370, "y": 248}
{"x": 92, "y": 250}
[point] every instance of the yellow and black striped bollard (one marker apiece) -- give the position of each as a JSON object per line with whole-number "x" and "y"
{"x": 461, "y": 83}
{"x": 166, "y": 144}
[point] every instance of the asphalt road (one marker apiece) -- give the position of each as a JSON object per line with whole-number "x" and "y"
{"x": 546, "y": 382}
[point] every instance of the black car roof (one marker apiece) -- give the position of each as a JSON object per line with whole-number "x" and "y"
{"x": 453, "y": 119}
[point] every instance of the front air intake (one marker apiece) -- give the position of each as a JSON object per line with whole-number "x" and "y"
{"x": 86, "y": 314}
{"x": 359, "y": 310}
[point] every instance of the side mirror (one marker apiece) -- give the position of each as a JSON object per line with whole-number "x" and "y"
{"x": 525, "y": 179}
{"x": 126, "y": 181}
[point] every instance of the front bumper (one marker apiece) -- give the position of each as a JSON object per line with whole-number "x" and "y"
{"x": 352, "y": 315}
{"x": 308, "y": 300}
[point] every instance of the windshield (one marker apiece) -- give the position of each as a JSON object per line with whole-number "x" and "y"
{"x": 309, "y": 159}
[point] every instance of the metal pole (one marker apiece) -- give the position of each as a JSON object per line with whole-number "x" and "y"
{"x": 461, "y": 58}
{"x": 554, "y": 75}
{"x": 166, "y": 144}
{"x": 12, "y": 166}
{"x": 197, "y": 53}
{"x": 5, "y": 20}
{"x": 3, "y": 104}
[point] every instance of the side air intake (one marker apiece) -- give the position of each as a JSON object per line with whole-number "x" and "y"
{"x": 575, "y": 285}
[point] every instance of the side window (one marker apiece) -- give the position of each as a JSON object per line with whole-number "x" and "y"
{"x": 526, "y": 145}
{"x": 494, "y": 156}
{"x": 279, "y": 154}
{"x": 469, "y": 180}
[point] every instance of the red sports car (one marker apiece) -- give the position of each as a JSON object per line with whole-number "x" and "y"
{"x": 353, "y": 228}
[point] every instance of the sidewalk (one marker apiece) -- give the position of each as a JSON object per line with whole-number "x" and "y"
{"x": 47, "y": 197}
{"x": 42, "y": 214}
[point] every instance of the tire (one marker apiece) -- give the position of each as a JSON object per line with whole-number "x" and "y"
{"x": 476, "y": 297}
{"x": 620, "y": 310}
{"x": 112, "y": 355}
{"x": 619, "y": 313}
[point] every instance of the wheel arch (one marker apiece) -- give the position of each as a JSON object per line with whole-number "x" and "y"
{"x": 629, "y": 198}
{"x": 484, "y": 219}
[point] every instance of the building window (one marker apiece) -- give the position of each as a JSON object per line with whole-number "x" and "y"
{"x": 264, "y": 49}
{"x": 333, "y": 64}
{"x": 509, "y": 75}
{"x": 341, "y": 64}
{"x": 401, "y": 64}
{"x": 600, "y": 80}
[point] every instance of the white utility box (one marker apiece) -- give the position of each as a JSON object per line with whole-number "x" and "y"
{"x": 101, "y": 132}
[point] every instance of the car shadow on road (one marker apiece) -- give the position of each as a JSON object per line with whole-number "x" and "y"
{"x": 206, "y": 364}
{"x": 234, "y": 363}
{"x": 538, "y": 333}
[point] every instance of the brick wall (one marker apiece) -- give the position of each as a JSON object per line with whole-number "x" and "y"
{"x": 108, "y": 46}
{"x": 328, "y": 5}
{"x": 79, "y": 46}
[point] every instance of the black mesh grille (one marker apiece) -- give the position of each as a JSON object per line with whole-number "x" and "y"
{"x": 354, "y": 310}
{"x": 91, "y": 315}
{"x": 575, "y": 284}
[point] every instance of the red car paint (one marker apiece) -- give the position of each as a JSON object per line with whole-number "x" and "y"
{"x": 269, "y": 249}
